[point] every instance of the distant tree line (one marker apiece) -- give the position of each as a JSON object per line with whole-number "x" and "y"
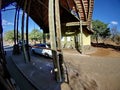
{"x": 103, "y": 32}
{"x": 34, "y": 35}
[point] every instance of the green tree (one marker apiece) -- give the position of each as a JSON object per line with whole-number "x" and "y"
{"x": 36, "y": 35}
{"x": 9, "y": 35}
{"x": 101, "y": 30}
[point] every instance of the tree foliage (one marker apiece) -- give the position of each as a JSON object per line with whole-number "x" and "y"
{"x": 36, "y": 35}
{"x": 9, "y": 35}
{"x": 100, "y": 30}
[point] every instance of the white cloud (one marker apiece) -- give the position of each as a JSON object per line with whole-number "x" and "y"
{"x": 114, "y": 22}
{"x": 5, "y": 22}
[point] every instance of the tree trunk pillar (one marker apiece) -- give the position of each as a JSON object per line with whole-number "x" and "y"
{"x": 81, "y": 38}
{"x": 52, "y": 31}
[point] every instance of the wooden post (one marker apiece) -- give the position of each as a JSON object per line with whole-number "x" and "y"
{"x": 22, "y": 28}
{"x": 53, "y": 39}
{"x": 18, "y": 22}
{"x": 27, "y": 25}
{"x": 15, "y": 26}
{"x": 44, "y": 37}
{"x": 52, "y": 25}
{"x": 58, "y": 26}
{"x": 16, "y": 46}
{"x": 81, "y": 37}
{"x": 58, "y": 31}
{"x": 27, "y": 21}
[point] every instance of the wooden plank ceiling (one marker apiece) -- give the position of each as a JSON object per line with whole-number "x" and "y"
{"x": 39, "y": 10}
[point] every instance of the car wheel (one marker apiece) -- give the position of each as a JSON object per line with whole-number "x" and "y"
{"x": 46, "y": 55}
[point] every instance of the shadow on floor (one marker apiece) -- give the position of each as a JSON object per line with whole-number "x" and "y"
{"x": 103, "y": 45}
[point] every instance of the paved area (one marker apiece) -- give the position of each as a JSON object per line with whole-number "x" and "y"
{"x": 34, "y": 75}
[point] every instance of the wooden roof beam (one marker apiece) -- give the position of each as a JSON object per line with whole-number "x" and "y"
{"x": 42, "y": 4}
{"x": 75, "y": 24}
{"x": 90, "y": 10}
{"x": 84, "y": 9}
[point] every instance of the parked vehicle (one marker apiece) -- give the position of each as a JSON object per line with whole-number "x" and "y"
{"x": 42, "y": 49}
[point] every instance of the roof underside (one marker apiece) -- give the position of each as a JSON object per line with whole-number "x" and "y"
{"x": 39, "y": 10}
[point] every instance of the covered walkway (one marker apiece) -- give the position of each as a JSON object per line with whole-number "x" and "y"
{"x": 28, "y": 76}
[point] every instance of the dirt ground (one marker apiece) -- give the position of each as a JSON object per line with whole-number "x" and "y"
{"x": 98, "y": 69}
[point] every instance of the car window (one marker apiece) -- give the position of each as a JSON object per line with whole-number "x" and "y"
{"x": 42, "y": 45}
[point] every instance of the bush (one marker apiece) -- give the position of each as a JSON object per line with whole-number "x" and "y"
{"x": 117, "y": 39}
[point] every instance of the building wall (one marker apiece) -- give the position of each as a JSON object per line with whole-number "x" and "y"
{"x": 86, "y": 38}
{"x": 69, "y": 41}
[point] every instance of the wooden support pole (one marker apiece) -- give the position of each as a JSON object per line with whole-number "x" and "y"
{"x": 1, "y": 28}
{"x": 58, "y": 31}
{"x": 53, "y": 40}
{"x": 58, "y": 25}
{"x": 27, "y": 20}
{"x": 52, "y": 36}
{"x": 15, "y": 26}
{"x": 27, "y": 28}
{"x": 81, "y": 37}
{"x": 18, "y": 22}
{"x": 22, "y": 28}
{"x": 52, "y": 25}
{"x": 16, "y": 46}
{"x": 44, "y": 37}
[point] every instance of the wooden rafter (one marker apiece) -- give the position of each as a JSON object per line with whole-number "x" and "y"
{"x": 83, "y": 5}
{"x": 90, "y": 9}
{"x": 42, "y": 4}
{"x": 68, "y": 4}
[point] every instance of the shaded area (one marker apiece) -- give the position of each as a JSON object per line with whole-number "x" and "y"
{"x": 103, "y": 45}
{"x": 20, "y": 79}
{"x": 28, "y": 76}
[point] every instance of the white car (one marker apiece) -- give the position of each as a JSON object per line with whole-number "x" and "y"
{"x": 42, "y": 49}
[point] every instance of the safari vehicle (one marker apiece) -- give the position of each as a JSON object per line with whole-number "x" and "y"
{"x": 42, "y": 49}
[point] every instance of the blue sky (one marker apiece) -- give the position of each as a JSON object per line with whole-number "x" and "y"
{"x": 8, "y": 20}
{"x": 106, "y": 11}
